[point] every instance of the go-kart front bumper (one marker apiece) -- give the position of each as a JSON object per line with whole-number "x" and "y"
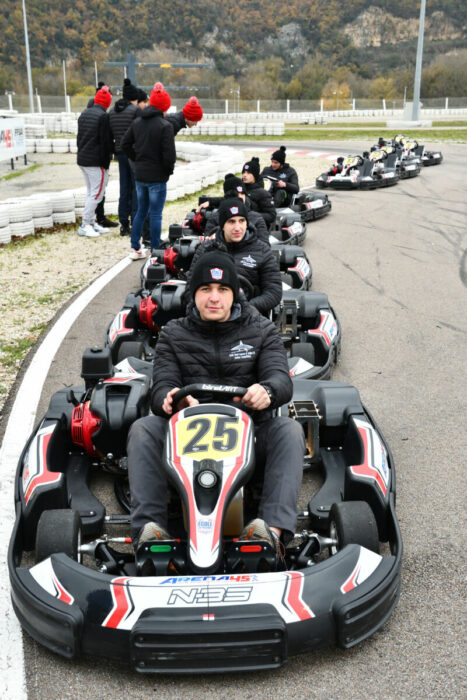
{"x": 205, "y": 624}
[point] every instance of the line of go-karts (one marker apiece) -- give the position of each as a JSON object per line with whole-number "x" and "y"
{"x": 383, "y": 165}
{"x": 75, "y": 583}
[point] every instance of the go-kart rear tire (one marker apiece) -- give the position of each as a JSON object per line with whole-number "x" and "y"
{"x": 303, "y": 350}
{"x": 353, "y": 522}
{"x": 131, "y": 348}
{"x": 58, "y": 531}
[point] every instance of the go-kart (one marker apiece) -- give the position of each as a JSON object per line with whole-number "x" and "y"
{"x": 391, "y": 158}
{"x": 358, "y": 173}
{"x": 310, "y": 331}
{"x": 134, "y": 330}
{"x": 411, "y": 149}
{"x": 204, "y": 601}
{"x": 309, "y": 205}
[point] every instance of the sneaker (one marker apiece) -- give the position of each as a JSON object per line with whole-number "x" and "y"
{"x": 108, "y": 223}
{"x": 100, "y": 229}
{"x": 88, "y": 230}
{"x": 137, "y": 254}
{"x": 125, "y": 230}
{"x": 151, "y": 532}
{"x": 258, "y": 530}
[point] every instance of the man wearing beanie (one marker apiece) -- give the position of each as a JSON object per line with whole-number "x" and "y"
{"x": 94, "y": 143}
{"x": 261, "y": 201}
{"x": 234, "y": 187}
{"x": 190, "y": 115}
{"x": 284, "y": 178}
{"x": 221, "y": 340}
{"x": 150, "y": 142}
{"x": 120, "y": 118}
{"x": 252, "y": 257}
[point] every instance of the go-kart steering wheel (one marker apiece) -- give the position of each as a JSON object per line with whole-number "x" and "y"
{"x": 203, "y": 388}
{"x": 246, "y": 287}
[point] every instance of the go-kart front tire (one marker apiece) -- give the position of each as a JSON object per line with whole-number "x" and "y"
{"x": 58, "y": 531}
{"x": 131, "y": 348}
{"x": 353, "y": 522}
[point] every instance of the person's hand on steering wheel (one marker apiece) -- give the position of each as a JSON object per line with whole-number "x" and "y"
{"x": 256, "y": 398}
{"x": 167, "y": 404}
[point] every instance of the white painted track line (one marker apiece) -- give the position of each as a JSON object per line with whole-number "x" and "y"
{"x": 20, "y": 424}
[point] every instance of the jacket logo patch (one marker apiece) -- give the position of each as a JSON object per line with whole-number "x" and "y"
{"x": 248, "y": 261}
{"x": 242, "y": 351}
{"x": 216, "y": 273}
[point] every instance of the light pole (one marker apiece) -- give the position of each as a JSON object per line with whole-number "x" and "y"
{"x": 418, "y": 65}
{"x": 28, "y": 59}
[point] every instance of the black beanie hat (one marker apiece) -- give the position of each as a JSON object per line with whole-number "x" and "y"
{"x": 279, "y": 155}
{"x": 252, "y": 167}
{"x": 229, "y": 208}
{"x": 214, "y": 267}
{"x": 130, "y": 91}
{"x": 233, "y": 183}
{"x": 100, "y": 85}
{"x": 142, "y": 95}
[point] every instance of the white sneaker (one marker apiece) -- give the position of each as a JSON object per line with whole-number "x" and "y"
{"x": 88, "y": 230}
{"x": 100, "y": 229}
{"x": 137, "y": 254}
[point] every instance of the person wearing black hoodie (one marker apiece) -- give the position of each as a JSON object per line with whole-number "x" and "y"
{"x": 284, "y": 179}
{"x": 220, "y": 340}
{"x": 150, "y": 143}
{"x": 261, "y": 200}
{"x": 120, "y": 118}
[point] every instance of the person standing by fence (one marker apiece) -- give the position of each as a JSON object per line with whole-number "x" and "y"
{"x": 94, "y": 143}
{"x": 150, "y": 142}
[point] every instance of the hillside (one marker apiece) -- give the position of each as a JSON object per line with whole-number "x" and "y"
{"x": 367, "y": 36}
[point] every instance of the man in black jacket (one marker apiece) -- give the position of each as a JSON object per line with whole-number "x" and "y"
{"x": 150, "y": 142}
{"x": 284, "y": 179}
{"x": 120, "y": 118}
{"x": 234, "y": 187}
{"x": 94, "y": 143}
{"x": 220, "y": 340}
{"x": 252, "y": 257}
{"x": 261, "y": 200}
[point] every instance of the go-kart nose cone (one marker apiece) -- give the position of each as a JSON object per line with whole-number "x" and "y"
{"x": 207, "y": 479}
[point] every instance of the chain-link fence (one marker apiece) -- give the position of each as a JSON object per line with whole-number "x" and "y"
{"x": 57, "y": 103}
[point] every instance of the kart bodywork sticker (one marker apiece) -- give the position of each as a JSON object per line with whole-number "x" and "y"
{"x": 35, "y": 472}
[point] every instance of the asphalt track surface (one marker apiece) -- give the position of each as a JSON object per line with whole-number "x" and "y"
{"x": 393, "y": 262}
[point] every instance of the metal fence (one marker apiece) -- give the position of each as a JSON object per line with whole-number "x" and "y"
{"x": 76, "y": 103}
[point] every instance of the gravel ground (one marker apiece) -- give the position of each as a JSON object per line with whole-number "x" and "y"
{"x": 38, "y": 275}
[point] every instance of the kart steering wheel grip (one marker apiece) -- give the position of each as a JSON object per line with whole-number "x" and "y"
{"x": 246, "y": 286}
{"x": 203, "y": 388}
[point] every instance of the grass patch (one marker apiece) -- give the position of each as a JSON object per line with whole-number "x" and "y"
{"x": 14, "y": 353}
{"x": 17, "y": 173}
{"x": 335, "y": 133}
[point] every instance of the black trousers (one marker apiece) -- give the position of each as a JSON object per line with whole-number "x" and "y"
{"x": 280, "y": 446}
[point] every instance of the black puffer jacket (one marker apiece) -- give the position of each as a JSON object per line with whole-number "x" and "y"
{"x": 255, "y": 261}
{"x": 94, "y": 140}
{"x": 261, "y": 201}
{"x": 242, "y": 351}
{"x": 120, "y": 118}
{"x": 255, "y": 220}
{"x": 177, "y": 120}
{"x": 150, "y": 142}
{"x": 285, "y": 173}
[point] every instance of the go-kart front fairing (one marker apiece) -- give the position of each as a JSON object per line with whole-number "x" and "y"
{"x": 241, "y": 617}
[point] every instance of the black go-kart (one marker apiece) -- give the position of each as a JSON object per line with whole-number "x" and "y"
{"x": 390, "y": 157}
{"x": 357, "y": 172}
{"x": 411, "y": 149}
{"x": 311, "y": 333}
{"x": 310, "y": 205}
{"x": 204, "y": 601}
